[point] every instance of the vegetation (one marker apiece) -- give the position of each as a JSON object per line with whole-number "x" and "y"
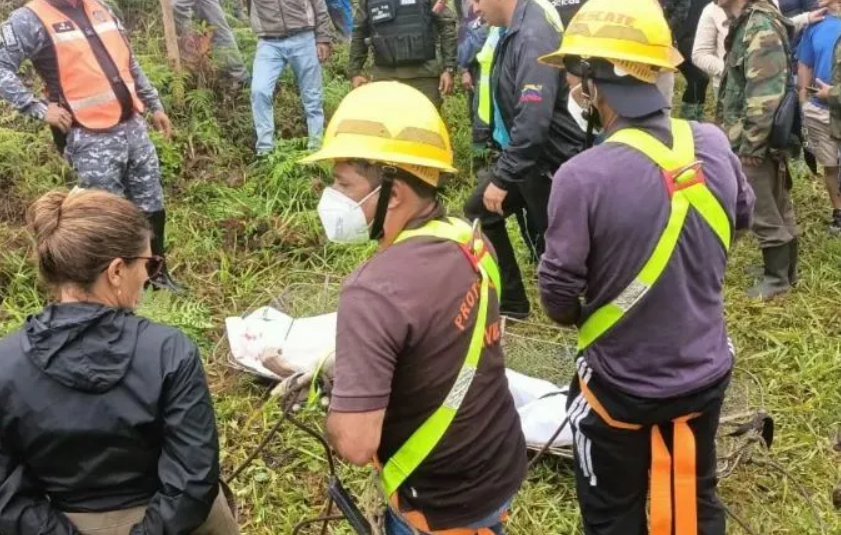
{"x": 241, "y": 231}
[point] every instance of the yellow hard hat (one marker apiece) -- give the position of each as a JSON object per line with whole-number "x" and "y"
{"x": 631, "y": 34}
{"x": 389, "y": 123}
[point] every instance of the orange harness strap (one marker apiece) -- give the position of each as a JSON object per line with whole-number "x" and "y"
{"x": 417, "y": 520}
{"x": 661, "y": 512}
{"x": 601, "y": 411}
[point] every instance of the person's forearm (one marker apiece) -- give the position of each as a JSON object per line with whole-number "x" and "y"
{"x": 804, "y": 78}
{"x": 14, "y": 92}
{"x": 145, "y": 90}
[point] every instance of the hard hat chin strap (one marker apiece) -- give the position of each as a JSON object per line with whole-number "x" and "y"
{"x": 586, "y": 77}
{"x": 377, "y": 226}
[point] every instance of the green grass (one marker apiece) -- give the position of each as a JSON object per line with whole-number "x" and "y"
{"x": 241, "y": 232}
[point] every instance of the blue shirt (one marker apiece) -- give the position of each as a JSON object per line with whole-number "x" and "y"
{"x": 816, "y": 50}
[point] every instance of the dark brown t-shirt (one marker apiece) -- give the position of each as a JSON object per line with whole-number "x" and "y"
{"x": 404, "y": 325}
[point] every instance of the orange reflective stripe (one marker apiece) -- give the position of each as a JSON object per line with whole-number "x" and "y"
{"x": 601, "y": 411}
{"x": 417, "y": 520}
{"x": 686, "y": 500}
{"x": 661, "y": 510}
{"x": 660, "y": 489}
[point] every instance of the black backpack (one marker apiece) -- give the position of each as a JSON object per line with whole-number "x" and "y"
{"x": 787, "y": 128}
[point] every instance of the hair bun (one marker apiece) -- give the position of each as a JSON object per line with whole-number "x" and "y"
{"x": 44, "y": 215}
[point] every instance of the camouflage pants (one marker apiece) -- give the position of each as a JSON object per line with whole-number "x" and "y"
{"x": 122, "y": 160}
{"x": 225, "y": 46}
{"x": 773, "y": 214}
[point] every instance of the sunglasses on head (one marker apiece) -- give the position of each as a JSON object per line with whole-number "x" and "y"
{"x": 154, "y": 264}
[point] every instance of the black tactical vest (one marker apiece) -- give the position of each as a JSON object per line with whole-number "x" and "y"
{"x": 402, "y": 32}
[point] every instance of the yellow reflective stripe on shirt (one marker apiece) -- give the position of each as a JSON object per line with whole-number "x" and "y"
{"x": 424, "y": 440}
{"x": 608, "y": 315}
{"x": 697, "y": 195}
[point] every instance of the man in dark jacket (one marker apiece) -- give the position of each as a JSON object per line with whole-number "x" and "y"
{"x": 533, "y": 129}
{"x": 104, "y": 411}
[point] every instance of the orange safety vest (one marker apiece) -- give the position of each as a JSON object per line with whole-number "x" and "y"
{"x": 83, "y": 82}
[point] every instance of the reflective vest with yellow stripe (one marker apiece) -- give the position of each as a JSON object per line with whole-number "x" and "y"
{"x": 672, "y": 489}
{"x": 485, "y": 57}
{"x": 84, "y": 85}
{"x": 424, "y": 440}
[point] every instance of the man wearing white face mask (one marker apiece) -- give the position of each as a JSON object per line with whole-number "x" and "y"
{"x": 420, "y": 387}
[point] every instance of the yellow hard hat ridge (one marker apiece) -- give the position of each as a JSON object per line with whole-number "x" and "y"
{"x": 631, "y": 34}
{"x": 389, "y": 123}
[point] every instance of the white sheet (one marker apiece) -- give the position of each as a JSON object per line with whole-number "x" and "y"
{"x": 542, "y": 408}
{"x": 303, "y": 341}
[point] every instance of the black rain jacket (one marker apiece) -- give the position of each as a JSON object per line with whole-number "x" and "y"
{"x": 103, "y": 410}
{"x": 532, "y": 100}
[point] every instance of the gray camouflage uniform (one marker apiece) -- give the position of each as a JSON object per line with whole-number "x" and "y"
{"x": 224, "y": 43}
{"x": 121, "y": 160}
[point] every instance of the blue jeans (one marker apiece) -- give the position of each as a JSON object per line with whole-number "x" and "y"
{"x": 299, "y": 51}
{"x": 394, "y": 525}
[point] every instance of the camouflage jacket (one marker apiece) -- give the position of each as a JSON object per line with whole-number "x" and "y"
{"x": 835, "y": 94}
{"x": 23, "y": 37}
{"x": 755, "y": 76}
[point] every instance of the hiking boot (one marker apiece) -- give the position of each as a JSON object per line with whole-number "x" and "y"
{"x": 775, "y": 280}
{"x": 835, "y": 224}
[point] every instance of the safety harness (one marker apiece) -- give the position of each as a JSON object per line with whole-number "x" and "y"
{"x": 424, "y": 440}
{"x": 686, "y": 185}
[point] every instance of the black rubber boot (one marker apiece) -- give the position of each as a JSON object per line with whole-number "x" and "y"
{"x": 163, "y": 280}
{"x": 793, "y": 276}
{"x": 776, "y": 278}
{"x": 513, "y": 302}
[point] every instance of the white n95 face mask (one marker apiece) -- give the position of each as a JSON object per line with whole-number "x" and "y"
{"x": 576, "y": 111}
{"x": 342, "y": 217}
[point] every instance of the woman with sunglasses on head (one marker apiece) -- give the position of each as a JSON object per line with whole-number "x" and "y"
{"x": 107, "y": 424}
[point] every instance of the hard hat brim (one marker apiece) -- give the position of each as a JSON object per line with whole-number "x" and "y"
{"x": 670, "y": 59}
{"x": 341, "y": 151}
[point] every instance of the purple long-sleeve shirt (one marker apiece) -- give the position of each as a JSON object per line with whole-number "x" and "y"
{"x": 607, "y": 210}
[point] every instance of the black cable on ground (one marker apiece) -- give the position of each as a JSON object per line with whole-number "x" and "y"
{"x": 548, "y": 444}
{"x": 288, "y": 404}
{"x": 738, "y": 520}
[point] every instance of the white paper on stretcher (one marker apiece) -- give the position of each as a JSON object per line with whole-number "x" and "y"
{"x": 542, "y": 409}
{"x": 303, "y": 341}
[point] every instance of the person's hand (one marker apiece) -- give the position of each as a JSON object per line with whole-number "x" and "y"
{"x": 823, "y": 90}
{"x": 493, "y": 198}
{"x": 816, "y": 16}
{"x": 324, "y": 50}
{"x": 58, "y": 117}
{"x": 749, "y": 161}
{"x": 160, "y": 121}
{"x": 467, "y": 81}
{"x": 445, "y": 86}
{"x": 358, "y": 80}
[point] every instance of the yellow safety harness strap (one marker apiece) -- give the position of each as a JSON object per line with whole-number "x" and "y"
{"x": 424, "y": 440}
{"x": 686, "y": 185}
